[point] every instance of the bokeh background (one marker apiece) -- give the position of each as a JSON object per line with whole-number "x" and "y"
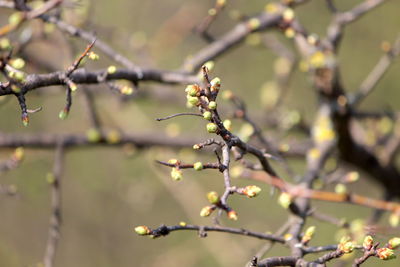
{"x": 106, "y": 191}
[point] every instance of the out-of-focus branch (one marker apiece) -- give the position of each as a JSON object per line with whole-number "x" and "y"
{"x": 340, "y": 20}
{"x": 81, "y": 140}
{"x": 55, "y": 217}
{"x": 74, "y": 31}
{"x": 82, "y": 76}
{"x": 377, "y": 73}
{"x": 213, "y": 13}
{"x": 232, "y": 38}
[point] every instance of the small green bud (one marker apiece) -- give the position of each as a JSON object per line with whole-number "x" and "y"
{"x": 394, "y": 219}
{"x": 196, "y": 147}
{"x": 340, "y": 189}
{"x": 193, "y": 100}
{"x": 212, "y": 105}
{"x": 111, "y": 69}
{"x": 17, "y": 63}
{"x": 93, "y": 56}
{"x": 206, "y": 211}
{"x": 19, "y": 153}
{"x": 173, "y": 161}
{"x": 193, "y": 90}
{"x": 394, "y": 242}
{"x": 213, "y": 197}
{"x": 73, "y": 86}
{"x": 308, "y": 234}
{"x": 212, "y": 127}
{"x": 126, "y": 90}
{"x": 15, "y": 18}
{"x": 20, "y": 76}
{"x": 25, "y": 120}
{"x": 188, "y": 88}
{"x": 93, "y": 135}
{"x": 198, "y": 166}
{"x": 207, "y": 115}
{"x": 15, "y": 89}
{"x": 209, "y": 65}
{"x": 232, "y": 215}
{"x": 385, "y": 253}
{"x": 221, "y": 2}
{"x": 227, "y": 124}
{"x": 288, "y": 15}
{"x": 5, "y": 44}
{"x": 192, "y": 87}
{"x": 50, "y": 178}
{"x": 285, "y": 199}
{"x": 310, "y": 231}
{"x": 176, "y": 174}
{"x": 352, "y": 177}
{"x": 253, "y": 24}
{"x": 368, "y": 242}
{"x": 346, "y": 245}
{"x": 215, "y": 84}
{"x": 252, "y": 190}
{"x": 113, "y": 137}
{"x": 63, "y": 114}
{"x": 142, "y": 230}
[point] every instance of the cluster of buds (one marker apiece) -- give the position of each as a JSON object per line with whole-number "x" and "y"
{"x": 204, "y": 99}
{"x": 309, "y": 233}
{"x": 192, "y": 95}
{"x": 176, "y": 174}
{"x": 251, "y": 191}
{"x": 346, "y": 245}
{"x": 385, "y": 253}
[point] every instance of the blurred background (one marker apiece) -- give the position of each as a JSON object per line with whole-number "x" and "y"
{"x": 107, "y": 191}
